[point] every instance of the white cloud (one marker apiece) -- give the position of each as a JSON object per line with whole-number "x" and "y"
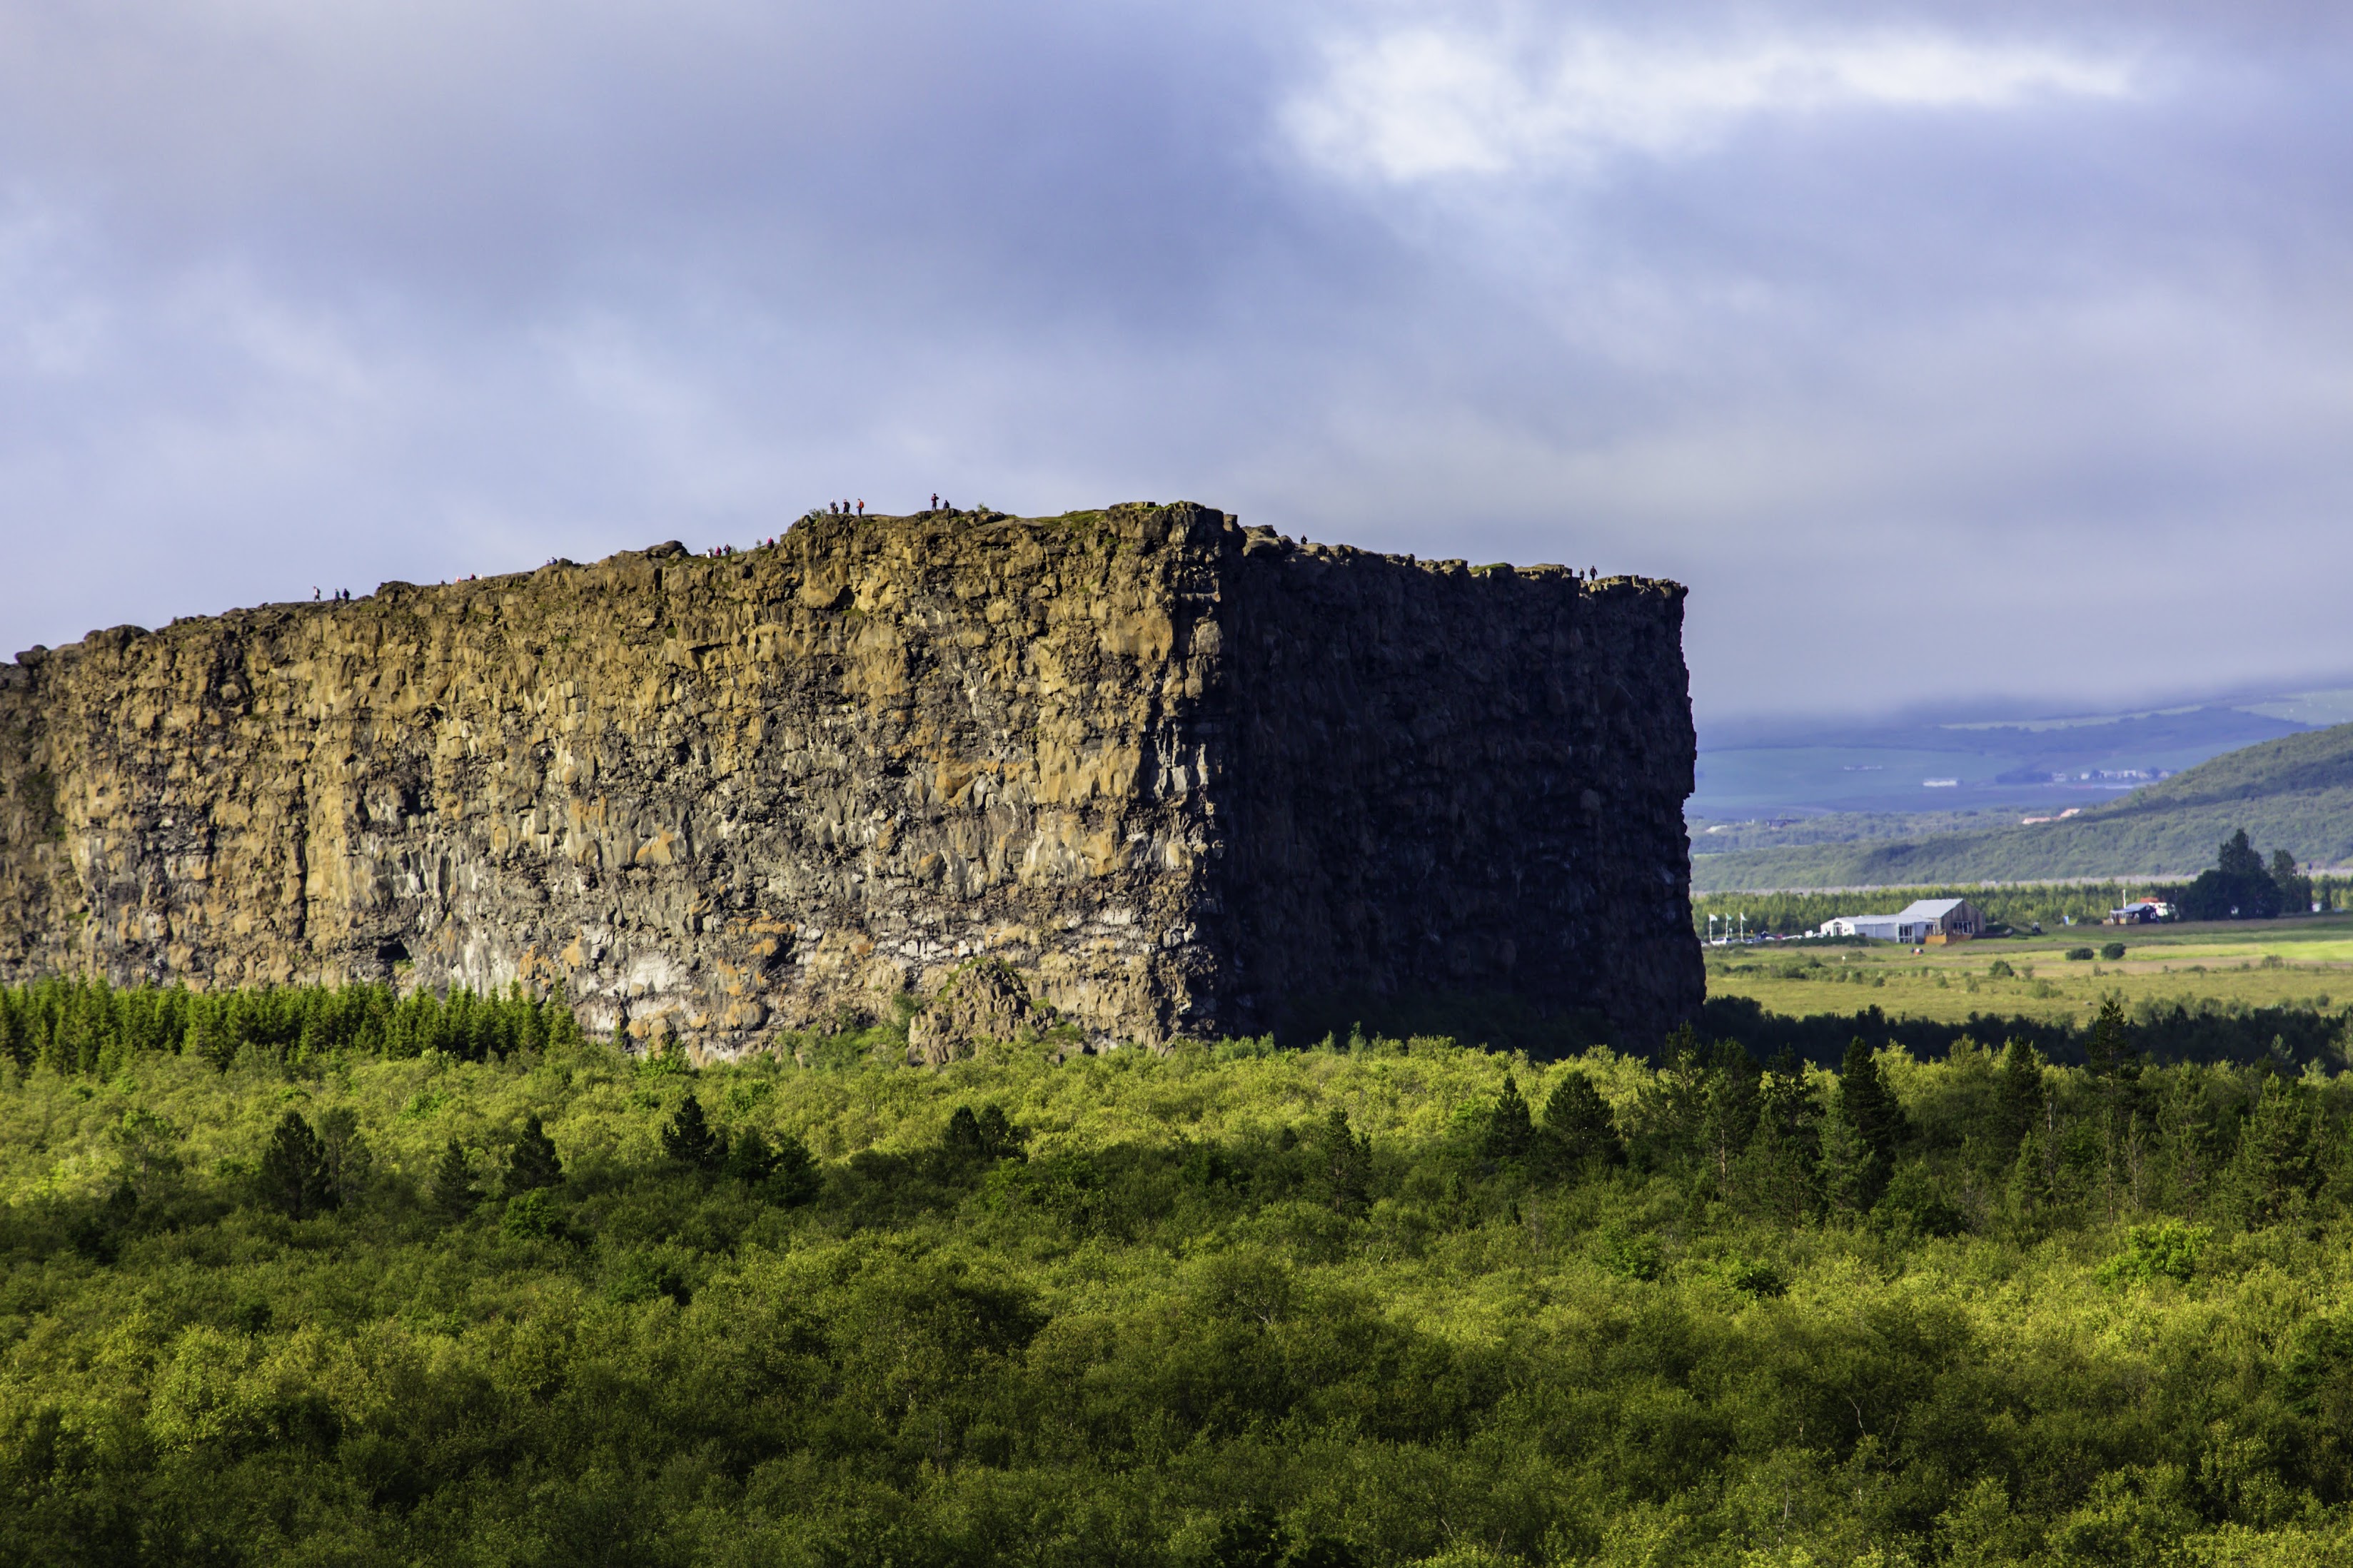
{"x": 1420, "y": 103}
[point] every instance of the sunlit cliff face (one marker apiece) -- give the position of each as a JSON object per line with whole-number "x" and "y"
{"x": 1157, "y": 774}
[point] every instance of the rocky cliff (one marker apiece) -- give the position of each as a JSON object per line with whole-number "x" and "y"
{"x": 1156, "y": 773}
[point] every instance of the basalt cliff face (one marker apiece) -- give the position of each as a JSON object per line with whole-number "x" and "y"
{"x": 1159, "y": 774}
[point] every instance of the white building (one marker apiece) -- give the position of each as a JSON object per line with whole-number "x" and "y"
{"x": 1931, "y": 922}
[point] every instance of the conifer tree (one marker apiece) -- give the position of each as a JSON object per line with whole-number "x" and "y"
{"x": 1509, "y": 1126}
{"x": 2028, "y": 1198}
{"x": 350, "y": 1162}
{"x": 749, "y": 1158}
{"x": 1577, "y": 1121}
{"x": 2274, "y": 1170}
{"x": 793, "y": 1174}
{"x": 999, "y": 1139}
{"x": 1669, "y": 1110}
{"x": 454, "y": 1193}
{"x": 2114, "y": 1058}
{"x": 1347, "y": 1163}
{"x": 294, "y": 1178}
{"x": 1852, "y": 1174}
{"x": 2020, "y": 1094}
{"x": 2185, "y": 1129}
{"x": 1728, "y": 1107}
{"x": 533, "y": 1163}
{"x": 1869, "y": 1103}
{"x": 690, "y": 1141}
{"x": 1788, "y": 1098}
{"x": 1774, "y": 1178}
{"x": 964, "y": 1139}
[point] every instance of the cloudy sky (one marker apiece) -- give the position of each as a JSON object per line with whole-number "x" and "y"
{"x": 1942, "y": 350}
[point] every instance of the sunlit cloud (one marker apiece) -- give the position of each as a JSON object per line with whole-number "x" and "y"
{"x": 1422, "y": 103}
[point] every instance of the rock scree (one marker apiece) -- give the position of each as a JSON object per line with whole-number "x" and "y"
{"x": 1161, "y": 774}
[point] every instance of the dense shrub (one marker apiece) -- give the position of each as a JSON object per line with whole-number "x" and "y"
{"x": 1393, "y": 1303}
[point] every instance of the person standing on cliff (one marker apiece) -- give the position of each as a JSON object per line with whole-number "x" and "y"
{"x": 861, "y": 506}
{"x": 935, "y": 500}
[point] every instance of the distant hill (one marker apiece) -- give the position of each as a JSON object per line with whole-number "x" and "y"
{"x": 1764, "y": 767}
{"x": 2294, "y": 794}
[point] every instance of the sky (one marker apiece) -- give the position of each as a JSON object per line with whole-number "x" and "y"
{"x": 1948, "y": 353}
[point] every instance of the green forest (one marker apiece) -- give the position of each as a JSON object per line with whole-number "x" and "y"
{"x": 2049, "y": 905}
{"x": 323, "y": 1278}
{"x": 2240, "y": 879}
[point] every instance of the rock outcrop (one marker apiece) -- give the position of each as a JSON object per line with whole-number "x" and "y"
{"x": 1175, "y": 776}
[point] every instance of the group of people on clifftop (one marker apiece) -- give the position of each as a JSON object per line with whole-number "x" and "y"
{"x": 839, "y": 509}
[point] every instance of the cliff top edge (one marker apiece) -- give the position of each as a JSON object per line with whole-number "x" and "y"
{"x": 1147, "y": 522}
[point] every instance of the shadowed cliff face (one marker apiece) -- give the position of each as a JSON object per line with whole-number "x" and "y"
{"x": 1170, "y": 773}
{"x": 1461, "y": 781}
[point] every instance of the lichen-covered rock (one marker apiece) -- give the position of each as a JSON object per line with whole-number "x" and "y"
{"x": 1176, "y": 774}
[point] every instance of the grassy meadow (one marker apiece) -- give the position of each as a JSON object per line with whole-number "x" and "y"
{"x": 2304, "y": 963}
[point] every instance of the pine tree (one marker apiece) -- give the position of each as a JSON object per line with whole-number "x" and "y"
{"x": 532, "y": 1162}
{"x": 1789, "y": 1098}
{"x": 2028, "y": 1199}
{"x": 2185, "y": 1128}
{"x": 749, "y": 1158}
{"x": 963, "y": 1137}
{"x": 2020, "y": 1094}
{"x": 1577, "y": 1121}
{"x": 690, "y": 1141}
{"x": 2113, "y": 1058}
{"x": 350, "y": 1162}
{"x": 1669, "y": 1111}
{"x": 454, "y": 1193}
{"x": 793, "y": 1174}
{"x": 1775, "y": 1179}
{"x": 2276, "y": 1169}
{"x": 1869, "y": 1103}
{"x": 1347, "y": 1163}
{"x": 294, "y": 1178}
{"x": 1509, "y": 1127}
{"x": 15, "y": 1042}
{"x": 1851, "y": 1171}
{"x": 1728, "y": 1113}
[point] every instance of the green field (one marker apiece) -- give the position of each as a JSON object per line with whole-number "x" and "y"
{"x": 312, "y": 1278}
{"x": 2302, "y": 962}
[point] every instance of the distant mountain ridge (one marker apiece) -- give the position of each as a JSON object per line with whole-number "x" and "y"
{"x": 2294, "y": 794}
{"x": 1991, "y": 755}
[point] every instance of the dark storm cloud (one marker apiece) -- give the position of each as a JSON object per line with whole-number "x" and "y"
{"x": 1961, "y": 327}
